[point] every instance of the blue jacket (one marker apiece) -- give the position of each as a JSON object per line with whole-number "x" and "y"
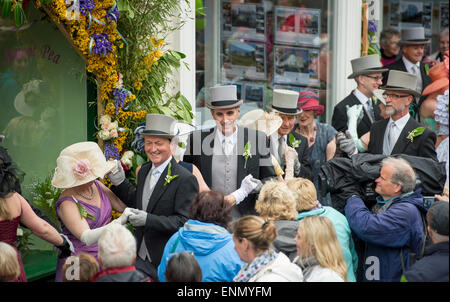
{"x": 343, "y": 233}
{"x": 213, "y": 247}
{"x": 398, "y": 228}
{"x": 433, "y": 267}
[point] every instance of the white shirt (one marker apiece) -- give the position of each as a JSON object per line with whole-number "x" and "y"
{"x": 365, "y": 101}
{"x": 221, "y": 138}
{"x": 160, "y": 168}
{"x": 399, "y": 125}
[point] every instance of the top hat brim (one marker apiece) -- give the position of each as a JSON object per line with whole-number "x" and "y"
{"x": 227, "y": 104}
{"x": 394, "y": 88}
{"x": 286, "y": 111}
{"x": 414, "y": 42}
{"x": 367, "y": 71}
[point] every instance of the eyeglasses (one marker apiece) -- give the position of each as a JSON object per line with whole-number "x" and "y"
{"x": 394, "y": 96}
{"x": 176, "y": 254}
{"x": 377, "y": 78}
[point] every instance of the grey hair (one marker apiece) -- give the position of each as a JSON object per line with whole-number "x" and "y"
{"x": 443, "y": 33}
{"x": 403, "y": 174}
{"x": 387, "y": 34}
{"x": 116, "y": 247}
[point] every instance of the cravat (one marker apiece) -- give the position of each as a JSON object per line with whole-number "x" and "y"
{"x": 153, "y": 180}
{"x": 416, "y": 71}
{"x": 227, "y": 146}
{"x": 281, "y": 149}
{"x": 391, "y": 137}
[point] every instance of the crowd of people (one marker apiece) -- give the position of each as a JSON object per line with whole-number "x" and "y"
{"x": 245, "y": 203}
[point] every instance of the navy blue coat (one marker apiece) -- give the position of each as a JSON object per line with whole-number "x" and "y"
{"x": 433, "y": 267}
{"x": 399, "y": 227}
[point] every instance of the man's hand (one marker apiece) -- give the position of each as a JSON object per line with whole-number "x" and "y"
{"x": 248, "y": 184}
{"x": 347, "y": 145}
{"x": 137, "y": 217}
{"x": 117, "y": 175}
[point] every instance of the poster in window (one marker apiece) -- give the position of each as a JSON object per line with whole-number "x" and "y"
{"x": 411, "y": 14}
{"x": 427, "y": 18}
{"x": 243, "y": 21}
{"x": 293, "y": 66}
{"x": 244, "y": 60}
{"x": 443, "y": 17}
{"x": 394, "y": 16}
{"x": 255, "y": 93}
{"x": 297, "y": 26}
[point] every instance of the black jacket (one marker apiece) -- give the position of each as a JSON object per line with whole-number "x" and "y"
{"x": 433, "y": 267}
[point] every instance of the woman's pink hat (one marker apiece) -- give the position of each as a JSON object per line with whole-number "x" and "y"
{"x": 308, "y": 100}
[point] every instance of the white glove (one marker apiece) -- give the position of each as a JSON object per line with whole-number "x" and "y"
{"x": 138, "y": 217}
{"x": 347, "y": 145}
{"x": 248, "y": 184}
{"x": 124, "y": 217}
{"x": 354, "y": 114}
{"x": 89, "y": 237}
{"x": 117, "y": 175}
{"x": 292, "y": 162}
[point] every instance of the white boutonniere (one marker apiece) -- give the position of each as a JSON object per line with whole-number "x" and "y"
{"x": 294, "y": 142}
{"x": 415, "y": 133}
{"x": 169, "y": 176}
{"x": 247, "y": 152}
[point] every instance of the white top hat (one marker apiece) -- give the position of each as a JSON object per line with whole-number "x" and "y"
{"x": 366, "y": 65}
{"x": 160, "y": 125}
{"x": 79, "y": 164}
{"x": 285, "y": 101}
{"x": 223, "y": 97}
{"x": 402, "y": 81}
{"x": 413, "y": 36}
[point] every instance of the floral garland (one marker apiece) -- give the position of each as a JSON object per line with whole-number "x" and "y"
{"x": 93, "y": 31}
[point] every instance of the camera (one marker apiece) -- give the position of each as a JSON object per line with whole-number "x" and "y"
{"x": 428, "y": 201}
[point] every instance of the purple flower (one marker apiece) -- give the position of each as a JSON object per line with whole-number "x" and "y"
{"x": 111, "y": 151}
{"x": 372, "y": 26}
{"x": 86, "y": 6}
{"x": 113, "y": 14}
{"x": 120, "y": 95}
{"x": 102, "y": 45}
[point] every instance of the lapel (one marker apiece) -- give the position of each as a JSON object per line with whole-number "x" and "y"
{"x": 160, "y": 188}
{"x": 376, "y": 110}
{"x": 206, "y": 159}
{"x": 241, "y": 141}
{"x": 425, "y": 78}
{"x": 379, "y": 137}
{"x": 402, "y": 142}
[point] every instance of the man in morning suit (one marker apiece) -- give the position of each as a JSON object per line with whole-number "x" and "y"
{"x": 284, "y": 104}
{"x": 219, "y": 152}
{"x": 412, "y": 43}
{"x": 367, "y": 72}
{"x": 162, "y": 197}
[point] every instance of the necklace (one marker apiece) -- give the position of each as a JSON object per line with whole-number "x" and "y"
{"x": 84, "y": 196}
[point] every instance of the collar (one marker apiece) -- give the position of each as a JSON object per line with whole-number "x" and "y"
{"x": 113, "y": 271}
{"x": 380, "y": 199}
{"x": 276, "y": 136}
{"x": 361, "y": 97}
{"x": 401, "y": 122}
{"x": 409, "y": 64}
{"x": 163, "y": 166}
{"x": 221, "y": 137}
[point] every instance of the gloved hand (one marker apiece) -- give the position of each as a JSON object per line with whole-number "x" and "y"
{"x": 347, "y": 145}
{"x": 117, "y": 175}
{"x": 137, "y": 217}
{"x": 354, "y": 113}
{"x": 124, "y": 217}
{"x": 66, "y": 247}
{"x": 248, "y": 184}
{"x": 291, "y": 156}
{"x": 89, "y": 237}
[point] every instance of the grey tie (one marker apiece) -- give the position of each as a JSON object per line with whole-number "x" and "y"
{"x": 281, "y": 149}
{"x": 153, "y": 180}
{"x": 416, "y": 71}
{"x": 370, "y": 110}
{"x": 227, "y": 146}
{"x": 391, "y": 138}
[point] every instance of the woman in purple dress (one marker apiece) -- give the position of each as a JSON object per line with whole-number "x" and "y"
{"x": 84, "y": 207}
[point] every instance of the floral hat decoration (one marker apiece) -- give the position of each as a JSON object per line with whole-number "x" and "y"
{"x": 79, "y": 164}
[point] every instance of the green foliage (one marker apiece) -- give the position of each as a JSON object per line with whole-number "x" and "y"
{"x": 13, "y": 8}
{"x": 141, "y": 20}
{"x": 44, "y": 197}
{"x": 138, "y": 160}
{"x": 24, "y": 241}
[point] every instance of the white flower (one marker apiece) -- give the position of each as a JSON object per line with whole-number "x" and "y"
{"x": 113, "y": 125}
{"x": 104, "y": 135}
{"x": 128, "y": 154}
{"x": 119, "y": 84}
{"x": 113, "y": 133}
{"x": 104, "y": 119}
{"x": 19, "y": 232}
{"x": 127, "y": 158}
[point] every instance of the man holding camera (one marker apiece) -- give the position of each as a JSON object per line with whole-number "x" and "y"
{"x": 393, "y": 229}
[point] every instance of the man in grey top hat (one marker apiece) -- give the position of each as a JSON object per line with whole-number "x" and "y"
{"x": 400, "y": 134}
{"x": 412, "y": 44}
{"x": 285, "y": 140}
{"x": 367, "y": 72}
{"x": 162, "y": 196}
{"x": 231, "y": 158}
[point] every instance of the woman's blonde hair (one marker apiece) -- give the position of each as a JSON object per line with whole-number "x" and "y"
{"x": 9, "y": 264}
{"x": 259, "y": 232}
{"x": 320, "y": 238}
{"x": 276, "y": 202}
{"x": 306, "y": 194}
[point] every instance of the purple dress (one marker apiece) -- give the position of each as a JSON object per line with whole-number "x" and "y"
{"x": 102, "y": 217}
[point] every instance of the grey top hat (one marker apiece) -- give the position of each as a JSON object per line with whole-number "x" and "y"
{"x": 438, "y": 217}
{"x": 366, "y": 65}
{"x": 402, "y": 81}
{"x": 223, "y": 97}
{"x": 285, "y": 101}
{"x": 160, "y": 125}
{"x": 413, "y": 36}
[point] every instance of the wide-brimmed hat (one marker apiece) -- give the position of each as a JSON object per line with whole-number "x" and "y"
{"x": 285, "y": 101}
{"x": 160, "y": 125}
{"x": 79, "y": 164}
{"x": 223, "y": 97}
{"x": 401, "y": 81}
{"x": 366, "y": 65}
{"x": 439, "y": 77}
{"x": 308, "y": 100}
{"x": 260, "y": 120}
{"x": 413, "y": 36}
